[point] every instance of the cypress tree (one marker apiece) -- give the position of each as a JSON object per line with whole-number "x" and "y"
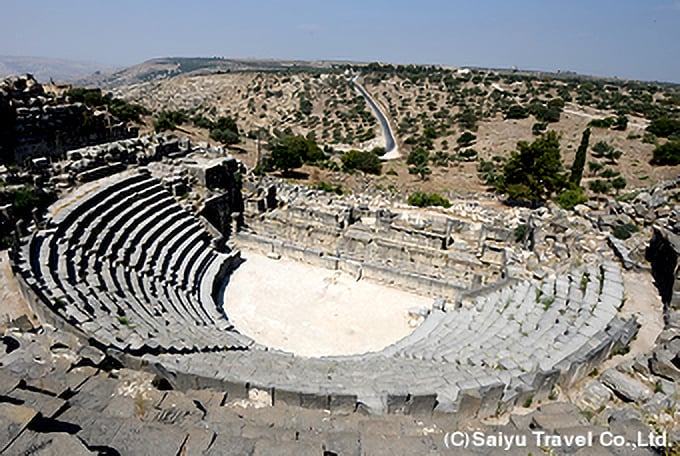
{"x": 580, "y": 159}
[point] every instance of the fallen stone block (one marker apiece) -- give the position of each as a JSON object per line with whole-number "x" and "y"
{"x": 595, "y": 394}
{"x": 558, "y": 415}
{"x": 624, "y": 386}
{"x": 37, "y": 443}
{"x": 13, "y": 420}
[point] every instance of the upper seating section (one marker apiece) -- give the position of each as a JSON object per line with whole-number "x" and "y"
{"x": 125, "y": 263}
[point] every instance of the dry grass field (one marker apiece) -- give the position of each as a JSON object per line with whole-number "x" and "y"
{"x": 426, "y": 109}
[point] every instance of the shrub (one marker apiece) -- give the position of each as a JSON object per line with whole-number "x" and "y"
{"x": 488, "y": 172}
{"x": 466, "y": 139}
{"x": 440, "y": 158}
{"x": 421, "y": 199}
{"x": 601, "y": 148}
{"x": 538, "y": 128}
{"x": 329, "y": 188}
{"x": 379, "y": 151}
{"x": 516, "y": 112}
{"x": 225, "y": 130}
{"x": 608, "y": 173}
{"x": 121, "y": 109}
{"x": 168, "y": 120}
{"x": 667, "y": 154}
{"x": 521, "y": 232}
{"x": 420, "y": 169}
{"x": 619, "y": 183}
{"x": 621, "y": 123}
{"x": 599, "y": 186}
{"x": 664, "y": 127}
{"x": 649, "y": 138}
{"x": 606, "y": 122}
{"x": 595, "y": 167}
{"x": 568, "y": 199}
{"x": 544, "y": 113}
{"x": 367, "y": 162}
{"x": 468, "y": 154}
{"x": 203, "y": 122}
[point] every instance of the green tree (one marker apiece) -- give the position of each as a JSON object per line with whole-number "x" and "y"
{"x": 121, "y": 109}
{"x": 305, "y": 105}
{"x": 367, "y": 162}
{"x": 516, "y": 112}
{"x": 664, "y": 127}
{"x": 421, "y": 169}
{"x": 595, "y": 167}
{"x": 306, "y": 149}
{"x": 225, "y": 130}
{"x": 580, "y": 159}
{"x": 602, "y": 148}
{"x": 285, "y": 159}
{"x": 417, "y": 156}
{"x": 466, "y": 139}
{"x": 600, "y": 186}
{"x": 168, "y": 120}
{"x": 538, "y": 128}
{"x": 619, "y": 183}
{"x": 421, "y": 199}
{"x": 467, "y": 119}
{"x": 621, "y": 123}
{"x": 667, "y": 154}
{"x": 534, "y": 172}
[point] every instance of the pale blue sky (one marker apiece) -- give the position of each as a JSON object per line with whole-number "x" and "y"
{"x": 637, "y": 39}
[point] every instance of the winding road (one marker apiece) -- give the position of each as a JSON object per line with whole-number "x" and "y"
{"x": 391, "y": 149}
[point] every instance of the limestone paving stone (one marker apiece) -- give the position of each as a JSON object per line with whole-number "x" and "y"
{"x": 226, "y": 445}
{"x": 48, "y": 444}
{"x": 47, "y": 405}
{"x": 8, "y": 381}
{"x": 13, "y": 420}
{"x": 135, "y": 437}
{"x": 625, "y": 386}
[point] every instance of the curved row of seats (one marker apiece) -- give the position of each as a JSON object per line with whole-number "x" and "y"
{"x": 127, "y": 265}
{"x": 524, "y": 326}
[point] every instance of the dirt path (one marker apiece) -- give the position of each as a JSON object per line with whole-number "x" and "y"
{"x": 312, "y": 311}
{"x": 642, "y": 301}
{"x": 12, "y": 304}
{"x": 593, "y": 116}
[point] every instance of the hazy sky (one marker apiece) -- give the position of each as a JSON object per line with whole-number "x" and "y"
{"x": 626, "y": 38}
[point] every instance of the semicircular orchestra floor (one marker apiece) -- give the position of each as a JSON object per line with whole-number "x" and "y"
{"x": 311, "y": 311}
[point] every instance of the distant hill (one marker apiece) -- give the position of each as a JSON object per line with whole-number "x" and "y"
{"x": 44, "y": 69}
{"x": 169, "y": 67}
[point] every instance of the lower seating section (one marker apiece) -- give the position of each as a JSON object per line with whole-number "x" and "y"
{"x": 124, "y": 263}
{"x": 503, "y": 349}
